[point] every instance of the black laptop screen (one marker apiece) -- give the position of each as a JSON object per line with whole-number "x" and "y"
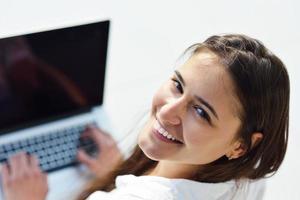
{"x": 53, "y": 74}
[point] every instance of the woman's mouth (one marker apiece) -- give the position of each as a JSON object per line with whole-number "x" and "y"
{"x": 161, "y": 133}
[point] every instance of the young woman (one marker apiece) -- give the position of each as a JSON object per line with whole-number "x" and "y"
{"x": 217, "y": 127}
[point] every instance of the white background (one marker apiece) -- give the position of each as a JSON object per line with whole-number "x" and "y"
{"x": 147, "y": 37}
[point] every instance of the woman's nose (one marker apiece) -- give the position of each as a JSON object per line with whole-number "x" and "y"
{"x": 171, "y": 112}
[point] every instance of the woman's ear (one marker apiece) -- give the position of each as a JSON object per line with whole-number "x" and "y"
{"x": 239, "y": 148}
{"x": 255, "y": 139}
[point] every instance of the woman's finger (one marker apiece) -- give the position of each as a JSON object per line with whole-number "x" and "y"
{"x": 89, "y": 132}
{"x": 86, "y": 159}
{"x": 34, "y": 163}
{"x": 18, "y": 164}
{"x": 23, "y": 162}
{"x": 14, "y": 165}
{"x": 5, "y": 174}
{"x": 99, "y": 137}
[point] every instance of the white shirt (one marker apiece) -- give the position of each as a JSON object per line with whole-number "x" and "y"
{"x": 130, "y": 187}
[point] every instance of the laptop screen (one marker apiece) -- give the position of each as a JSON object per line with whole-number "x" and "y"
{"x": 48, "y": 75}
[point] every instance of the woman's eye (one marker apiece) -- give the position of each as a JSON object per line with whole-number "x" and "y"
{"x": 202, "y": 113}
{"x": 178, "y": 85}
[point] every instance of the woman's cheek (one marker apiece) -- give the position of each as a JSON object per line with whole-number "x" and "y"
{"x": 198, "y": 137}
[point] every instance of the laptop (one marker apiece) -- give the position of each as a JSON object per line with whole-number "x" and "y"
{"x": 51, "y": 88}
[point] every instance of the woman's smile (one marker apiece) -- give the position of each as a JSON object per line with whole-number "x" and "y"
{"x": 162, "y": 134}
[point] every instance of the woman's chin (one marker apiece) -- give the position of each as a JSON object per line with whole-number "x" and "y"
{"x": 151, "y": 149}
{"x": 151, "y": 155}
{"x": 151, "y": 145}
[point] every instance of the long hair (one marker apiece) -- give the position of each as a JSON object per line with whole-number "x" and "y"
{"x": 261, "y": 85}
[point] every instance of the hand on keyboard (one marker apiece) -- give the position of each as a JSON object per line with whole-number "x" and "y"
{"x": 23, "y": 179}
{"x": 108, "y": 157}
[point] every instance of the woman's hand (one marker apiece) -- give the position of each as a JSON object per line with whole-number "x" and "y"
{"x": 109, "y": 155}
{"x": 23, "y": 179}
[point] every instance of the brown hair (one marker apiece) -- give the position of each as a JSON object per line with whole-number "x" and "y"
{"x": 262, "y": 88}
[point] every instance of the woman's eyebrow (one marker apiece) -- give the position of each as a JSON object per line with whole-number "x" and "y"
{"x": 200, "y": 99}
{"x": 179, "y": 77}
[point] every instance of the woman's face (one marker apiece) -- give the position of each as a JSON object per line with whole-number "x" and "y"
{"x": 194, "y": 114}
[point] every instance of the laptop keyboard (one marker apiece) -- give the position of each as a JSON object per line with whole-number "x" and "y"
{"x": 55, "y": 150}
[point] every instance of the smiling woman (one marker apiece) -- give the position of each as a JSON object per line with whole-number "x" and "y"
{"x": 217, "y": 127}
{"x": 221, "y": 118}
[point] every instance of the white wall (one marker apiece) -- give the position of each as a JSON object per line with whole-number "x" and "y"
{"x": 148, "y": 36}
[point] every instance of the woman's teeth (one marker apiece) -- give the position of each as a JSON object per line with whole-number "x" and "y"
{"x": 163, "y": 132}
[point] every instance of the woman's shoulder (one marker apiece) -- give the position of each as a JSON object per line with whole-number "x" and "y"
{"x": 250, "y": 189}
{"x": 188, "y": 189}
{"x": 132, "y": 187}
